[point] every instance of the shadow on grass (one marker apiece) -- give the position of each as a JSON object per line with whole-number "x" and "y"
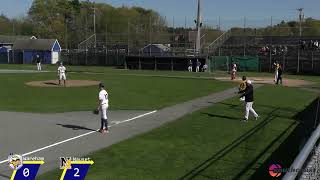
{"x": 222, "y": 116}
{"x": 289, "y": 149}
{"x": 51, "y": 83}
{"x": 238, "y": 106}
{"x": 75, "y": 127}
{"x": 223, "y": 152}
{"x": 284, "y": 155}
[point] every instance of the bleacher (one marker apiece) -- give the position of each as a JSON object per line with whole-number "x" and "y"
{"x": 251, "y": 45}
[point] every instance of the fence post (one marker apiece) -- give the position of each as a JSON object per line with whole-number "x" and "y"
{"x": 312, "y": 60}
{"x": 270, "y": 59}
{"x": 298, "y": 65}
{"x": 283, "y": 61}
{"x": 171, "y": 64}
{"x": 155, "y": 63}
{"x": 86, "y": 57}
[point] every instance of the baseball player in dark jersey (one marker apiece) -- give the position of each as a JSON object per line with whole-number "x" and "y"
{"x": 248, "y": 94}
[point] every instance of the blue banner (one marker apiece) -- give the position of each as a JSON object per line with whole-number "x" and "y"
{"x": 28, "y": 171}
{"x": 76, "y": 170}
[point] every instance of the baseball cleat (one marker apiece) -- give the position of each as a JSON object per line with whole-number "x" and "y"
{"x": 245, "y": 120}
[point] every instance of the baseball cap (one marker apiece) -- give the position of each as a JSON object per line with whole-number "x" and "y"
{"x": 249, "y": 82}
{"x": 101, "y": 84}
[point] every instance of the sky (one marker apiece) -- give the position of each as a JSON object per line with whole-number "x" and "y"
{"x": 252, "y": 13}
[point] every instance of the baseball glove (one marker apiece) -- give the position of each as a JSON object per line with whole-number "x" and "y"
{"x": 96, "y": 111}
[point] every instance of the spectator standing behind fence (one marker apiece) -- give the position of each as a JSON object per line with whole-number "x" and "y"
{"x": 198, "y": 65}
{"x": 38, "y": 61}
{"x": 190, "y": 66}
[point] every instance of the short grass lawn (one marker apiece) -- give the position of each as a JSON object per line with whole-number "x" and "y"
{"x": 209, "y": 144}
{"x": 125, "y": 92}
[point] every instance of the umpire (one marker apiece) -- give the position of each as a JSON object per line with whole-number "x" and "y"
{"x": 248, "y": 94}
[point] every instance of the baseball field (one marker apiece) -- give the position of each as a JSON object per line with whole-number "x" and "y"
{"x": 164, "y": 125}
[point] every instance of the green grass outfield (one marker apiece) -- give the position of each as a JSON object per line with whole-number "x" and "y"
{"x": 211, "y": 143}
{"x": 126, "y": 91}
{"x": 174, "y": 74}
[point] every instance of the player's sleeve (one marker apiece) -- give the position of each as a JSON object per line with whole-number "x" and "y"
{"x": 101, "y": 96}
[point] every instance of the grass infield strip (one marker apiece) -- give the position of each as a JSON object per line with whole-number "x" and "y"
{"x": 125, "y": 92}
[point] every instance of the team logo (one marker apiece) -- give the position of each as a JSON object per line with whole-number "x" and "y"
{"x": 275, "y": 170}
{"x": 15, "y": 161}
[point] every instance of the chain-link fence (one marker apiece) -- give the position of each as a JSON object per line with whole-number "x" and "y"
{"x": 94, "y": 57}
{"x": 246, "y": 37}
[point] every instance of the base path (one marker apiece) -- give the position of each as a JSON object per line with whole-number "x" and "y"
{"x": 268, "y": 80}
{"x": 74, "y": 134}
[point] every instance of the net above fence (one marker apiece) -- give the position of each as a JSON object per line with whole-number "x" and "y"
{"x": 224, "y": 63}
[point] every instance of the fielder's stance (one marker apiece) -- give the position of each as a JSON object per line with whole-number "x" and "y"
{"x": 248, "y": 94}
{"x": 62, "y": 74}
{"x": 103, "y": 107}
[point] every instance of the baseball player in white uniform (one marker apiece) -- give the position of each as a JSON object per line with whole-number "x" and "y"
{"x": 62, "y": 74}
{"x": 198, "y": 65}
{"x": 103, "y": 107}
{"x": 38, "y": 61}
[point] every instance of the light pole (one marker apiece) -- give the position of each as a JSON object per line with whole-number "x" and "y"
{"x": 301, "y": 16}
{"x": 198, "y": 25}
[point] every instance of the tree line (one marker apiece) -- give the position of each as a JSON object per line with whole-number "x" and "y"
{"x": 72, "y": 21}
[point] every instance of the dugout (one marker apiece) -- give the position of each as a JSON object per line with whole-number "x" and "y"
{"x": 162, "y": 63}
{"x": 25, "y": 50}
{"x": 4, "y": 55}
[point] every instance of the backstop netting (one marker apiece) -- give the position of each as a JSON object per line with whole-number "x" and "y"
{"x": 224, "y": 63}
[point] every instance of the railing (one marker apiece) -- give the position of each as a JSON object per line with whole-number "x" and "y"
{"x": 301, "y": 159}
{"x": 218, "y": 42}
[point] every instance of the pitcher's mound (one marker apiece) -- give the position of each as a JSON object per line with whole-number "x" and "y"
{"x": 55, "y": 83}
{"x": 268, "y": 80}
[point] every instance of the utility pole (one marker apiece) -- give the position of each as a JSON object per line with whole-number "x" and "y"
{"x": 13, "y": 31}
{"x": 301, "y": 17}
{"x": 128, "y": 37}
{"x": 219, "y": 23}
{"x": 199, "y": 24}
{"x": 94, "y": 25}
{"x": 66, "y": 34}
